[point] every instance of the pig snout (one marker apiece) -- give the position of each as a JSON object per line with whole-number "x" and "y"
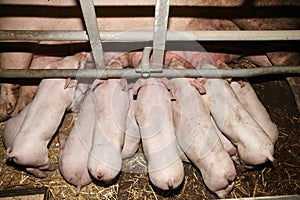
{"x": 253, "y": 144}
{"x": 201, "y": 144}
{"x": 248, "y": 98}
{"x": 111, "y": 106}
{"x": 73, "y": 156}
{"x": 132, "y": 133}
{"x": 154, "y": 117}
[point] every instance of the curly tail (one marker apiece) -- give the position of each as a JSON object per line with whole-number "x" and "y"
{"x": 78, "y": 188}
{"x": 8, "y": 152}
{"x": 271, "y": 158}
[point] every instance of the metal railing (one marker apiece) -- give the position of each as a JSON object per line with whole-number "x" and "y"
{"x": 159, "y": 36}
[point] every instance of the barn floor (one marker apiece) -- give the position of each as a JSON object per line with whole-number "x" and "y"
{"x": 282, "y": 178}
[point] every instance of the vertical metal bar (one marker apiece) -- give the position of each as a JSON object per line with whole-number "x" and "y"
{"x": 160, "y": 33}
{"x": 89, "y": 15}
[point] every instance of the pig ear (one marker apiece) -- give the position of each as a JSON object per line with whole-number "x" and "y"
{"x": 165, "y": 81}
{"x": 139, "y": 83}
{"x": 241, "y": 83}
{"x": 96, "y": 83}
{"x": 130, "y": 86}
{"x": 70, "y": 83}
{"x": 172, "y": 95}
{"x": 124, "y": 84}
{"x": 199, "y": 84}
{"x": 53, "y": 65}
{"x": 222, "y": 65}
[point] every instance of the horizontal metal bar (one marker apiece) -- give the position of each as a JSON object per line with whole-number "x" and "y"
{"x": 139, "y": 35}
{"x": 283, "y": 197}
{"x": 219, "y": 3}
{"x": 131, "y": 73}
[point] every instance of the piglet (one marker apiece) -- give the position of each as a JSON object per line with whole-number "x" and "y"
{"x": 132, "y": 132}
{"x": 12, "y": 127}
{"x": 111, "y": 105}
{"x": 73, "y": 156}
{"x": 253, "y": 144}
{"x": 43, "y": 117}
{"x": 198, "y": 138}
{"x": 228, "y": 146}
{"x": 154, "y": 117}
{"x": 248, "y": 98}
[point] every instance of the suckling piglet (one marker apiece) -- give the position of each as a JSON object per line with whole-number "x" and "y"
{"x": 155, "y": 120}
{"x": 73, "y": 156}
{"x": 228, "y": 146}
{"x": 12, "y": 127}
{"x": 132, "y": 132}
{"x": 43, "y": 117}
{"x": 253, "y": 144}
{"x": 111, "y": 105}
{"x": 248, "y": 98}
{"x": 198, "y": 138}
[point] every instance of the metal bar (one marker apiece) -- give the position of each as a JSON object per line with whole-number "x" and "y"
{"x": 220, "y": 3}
{"x": 283, "y": 197}
{"x": 121, "y": 36}
{"x": 145, "y": 65}
{"x": 131, "y": 73}
{"x": 160, "y": 34}
{"x": 89, "y": 15}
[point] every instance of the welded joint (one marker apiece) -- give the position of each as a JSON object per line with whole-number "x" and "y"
{"x": 144, "y": 68}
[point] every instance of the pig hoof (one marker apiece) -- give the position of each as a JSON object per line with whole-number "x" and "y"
{"x": 36, "y": 172}
{"x": 52, "y": 167}
{"x": 241, "y": 168}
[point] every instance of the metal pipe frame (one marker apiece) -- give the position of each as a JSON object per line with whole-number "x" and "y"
{"x": 136, "y": 36}
{"x": 159, "y": 37}
{"x": 89, "y": 15}
{"x": 132, "y": 74}
{"x": 160, "y": 33}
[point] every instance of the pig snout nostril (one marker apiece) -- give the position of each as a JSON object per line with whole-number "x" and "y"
{"x": 170, "y": 184}
{"x": 99, "y": 176}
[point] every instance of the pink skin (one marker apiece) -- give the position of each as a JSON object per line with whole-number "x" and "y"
{"x": 198, "y": 138}
{"x": 132, "y": 132}
{"x": 135, "y": 59}
{"x": 248, "y": 98}
{"x": 12, "y": 127}
{"x": 111, "y": 106}
{"x": 73, "y": 156}
{"x": 8, "y": 92}
{"x": 228, "y": 146}
{"x": 253, "y": 144}
{"x": 154, "y": 117}
{"x": 29, "y": 147}
{"x": 194, "y": 57}
{"x": 122, "y": 57}
{"x": 176, "y": 110}
{"x": 27, "y": 92}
